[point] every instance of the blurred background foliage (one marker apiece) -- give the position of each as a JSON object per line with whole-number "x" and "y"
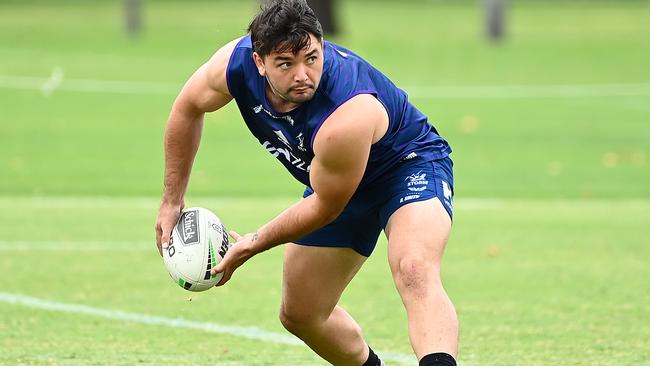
{"x": 97, "y": 130}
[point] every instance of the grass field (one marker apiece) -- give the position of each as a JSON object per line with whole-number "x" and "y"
{"x": 548, "y": 261}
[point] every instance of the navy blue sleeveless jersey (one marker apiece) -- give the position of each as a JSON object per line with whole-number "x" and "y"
{"x": 290, "y": 136}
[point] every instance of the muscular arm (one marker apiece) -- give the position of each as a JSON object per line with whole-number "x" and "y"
{"x": 341, "y": 150}
{"x": 205, "y": 91}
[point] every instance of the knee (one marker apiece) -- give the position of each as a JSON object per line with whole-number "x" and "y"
{"x": 298, "y": 320}
{"x": 416, "y": 277}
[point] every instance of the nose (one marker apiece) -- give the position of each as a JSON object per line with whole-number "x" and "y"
{"x": 301, "y": 74}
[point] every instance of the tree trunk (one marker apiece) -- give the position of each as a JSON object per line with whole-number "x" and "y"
{"x": 133, "y": 17}
{"x": 494, "y": 19}
{"x": 325, "y": 12}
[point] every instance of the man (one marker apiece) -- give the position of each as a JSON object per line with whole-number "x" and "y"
{"x": 369, "y": 159}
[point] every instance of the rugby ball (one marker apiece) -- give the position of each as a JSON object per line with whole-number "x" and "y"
{"x": 198, "y": 242}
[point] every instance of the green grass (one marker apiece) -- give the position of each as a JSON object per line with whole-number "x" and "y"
{"x": 547, "y": 263}
{"x": 535, "y": 283}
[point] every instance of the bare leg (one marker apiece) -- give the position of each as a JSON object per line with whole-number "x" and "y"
{"x": 417, "y": 235}
{"x": 314, "y": 279}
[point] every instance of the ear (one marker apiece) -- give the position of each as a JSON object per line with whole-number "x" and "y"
{"x": 259, "y": 63}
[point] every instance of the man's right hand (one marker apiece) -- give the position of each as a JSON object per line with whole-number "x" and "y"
{"x": 167, "y": 217}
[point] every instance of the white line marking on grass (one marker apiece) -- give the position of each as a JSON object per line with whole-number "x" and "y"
{"x": 253, "y": 333}
{"x": 75, "y": 246}
{"x": 53, "y": 82}
{"x": 248, "y": 332}
{"x": 418, "y": 92}
{"x": 91, "y": 86}
{"x": 91, "y": 202}
{"x": 150, "y": 203}
{"x": 529, "y": 91}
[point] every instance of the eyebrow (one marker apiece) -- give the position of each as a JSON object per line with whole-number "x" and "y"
{"x": 282, "y": 58}
{"x": 312, "y": 52}
{"x": 288, "y": 58}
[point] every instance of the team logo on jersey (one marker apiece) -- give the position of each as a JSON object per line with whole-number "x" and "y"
{"x": 259, "y": 108}
{"x": 417, "y": 182}
{"x": 283, "y": 138}
{"x": 301, "y": 142}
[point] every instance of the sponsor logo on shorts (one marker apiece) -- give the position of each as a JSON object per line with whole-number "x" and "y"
{"x": 409, "y": 197}
{"x": 188, "y": 227}
{"x": 447, "y": 193}
{"x": 417, "y": 182}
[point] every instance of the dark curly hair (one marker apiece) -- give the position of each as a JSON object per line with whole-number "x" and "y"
{"x": 284, "y": 25}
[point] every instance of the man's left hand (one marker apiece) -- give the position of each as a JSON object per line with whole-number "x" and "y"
{"x": 238, "y": 253}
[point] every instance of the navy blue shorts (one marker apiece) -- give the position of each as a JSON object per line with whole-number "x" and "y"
{"x": 359, "y": 225}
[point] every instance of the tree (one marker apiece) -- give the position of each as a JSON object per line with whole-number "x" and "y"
{"x": 494, "y": 19}
{"x": 325, "y": 12}
{"x": 132, "y": 17}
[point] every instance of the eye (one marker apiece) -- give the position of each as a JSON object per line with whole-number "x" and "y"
{"x": 284, "y": 66}
{"x": 312, "y": 60}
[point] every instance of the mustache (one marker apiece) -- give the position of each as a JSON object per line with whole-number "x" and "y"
{"x": 304, "y": 85}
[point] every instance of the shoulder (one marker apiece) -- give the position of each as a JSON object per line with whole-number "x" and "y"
{"x": 345, "y": 75}
{"x": 362, "y": 108}
{"x": 360, "y": 119}
{"x": 217, "y": 66}
{"x": 207, "y": 89}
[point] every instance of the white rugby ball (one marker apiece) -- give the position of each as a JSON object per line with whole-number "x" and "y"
{"x": 198, "y": 242}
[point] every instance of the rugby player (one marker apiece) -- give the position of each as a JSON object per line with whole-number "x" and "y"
{"x": 369, "y": 159}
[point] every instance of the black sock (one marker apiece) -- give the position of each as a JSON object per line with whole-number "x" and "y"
{"x": 438, "y": 359}
{"x": 373, "y": 359}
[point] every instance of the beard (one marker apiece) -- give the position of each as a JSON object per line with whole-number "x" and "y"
{"x": 299, "y": 93}
{"x": 304, "y": 94}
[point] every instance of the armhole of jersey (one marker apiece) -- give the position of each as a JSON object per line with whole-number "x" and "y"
{"x": 329, "y": 113}
{"x": 228, "y": 73}
{"x": 389, "y": 121}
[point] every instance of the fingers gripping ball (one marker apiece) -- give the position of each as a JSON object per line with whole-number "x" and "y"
{"x": 198, "y": 242}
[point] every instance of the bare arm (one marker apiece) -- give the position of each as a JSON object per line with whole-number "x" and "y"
{"x": 341, "y": 149}
{"x": 205, "y": 91}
